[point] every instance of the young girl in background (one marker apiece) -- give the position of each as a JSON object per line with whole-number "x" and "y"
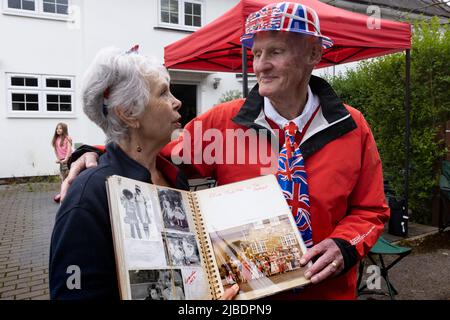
{"x": 62, "y": 145}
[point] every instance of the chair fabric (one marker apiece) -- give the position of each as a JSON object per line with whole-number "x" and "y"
{"x": 382, "y": 246}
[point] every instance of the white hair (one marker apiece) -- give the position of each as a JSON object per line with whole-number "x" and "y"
{"x": 124, "y": 76}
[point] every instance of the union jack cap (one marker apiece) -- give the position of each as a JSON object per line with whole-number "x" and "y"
{"x": 284, "y": 16}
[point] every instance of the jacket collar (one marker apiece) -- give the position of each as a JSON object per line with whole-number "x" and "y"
{"x": 332, "y": 107}
{"x": 134, "y": 170}
{"x": 333, "y": 120}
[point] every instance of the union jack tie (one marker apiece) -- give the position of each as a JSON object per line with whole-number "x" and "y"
{"x": 291, "y": 176}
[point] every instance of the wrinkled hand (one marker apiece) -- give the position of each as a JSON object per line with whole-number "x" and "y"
{"x": 87, "y": 160}
{"x": 58, "y": 161}
{"x": 329, "y": 263}
{"x": 230, "y": 293}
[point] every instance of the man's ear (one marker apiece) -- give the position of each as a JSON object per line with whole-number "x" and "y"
{"x": 315, "y": 53}
{"x": 123, "y": 116}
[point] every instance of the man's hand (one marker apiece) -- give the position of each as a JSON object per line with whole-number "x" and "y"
{"x": 329, "y": 263}
{"x": 230, "y": 293}
{"x": 87, "y": 160}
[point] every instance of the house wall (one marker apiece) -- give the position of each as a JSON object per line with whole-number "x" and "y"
{"x": 34, "y": 45}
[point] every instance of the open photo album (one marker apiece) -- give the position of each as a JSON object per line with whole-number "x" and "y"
{"x": 173, "y": 244}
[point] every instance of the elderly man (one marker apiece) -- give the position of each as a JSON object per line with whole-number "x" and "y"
{"x": 328, "y": 166}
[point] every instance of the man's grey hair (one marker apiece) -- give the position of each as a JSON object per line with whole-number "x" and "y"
{"x": 118, "y": 79}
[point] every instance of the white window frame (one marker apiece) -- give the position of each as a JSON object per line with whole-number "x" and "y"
{"x": 42, "y": 90}
{"x": 38, "y": 11}
{"x": 259, "y": 246}
{"x": 181, "y": 23}
{"x": 24, "y": 91}
{"x": 288, "y": 240}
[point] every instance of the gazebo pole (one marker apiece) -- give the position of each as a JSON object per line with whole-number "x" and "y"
{"x": 407, "y": 126}
{"x": 244, "y": 72}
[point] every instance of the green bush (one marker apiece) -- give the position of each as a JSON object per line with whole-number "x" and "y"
{"x": 230, "y": 95}
{"x": 376, "y": 88}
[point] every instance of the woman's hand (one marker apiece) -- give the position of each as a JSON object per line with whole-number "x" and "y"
{"x": 87, "y": 160}
{"x": 58, "y": 161}
{"x": 230, "y": 293}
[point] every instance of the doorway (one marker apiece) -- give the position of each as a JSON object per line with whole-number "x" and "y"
{"x": 187, "y": 94}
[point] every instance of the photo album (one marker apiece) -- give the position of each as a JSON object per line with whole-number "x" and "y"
{"x": 173, "y": 244}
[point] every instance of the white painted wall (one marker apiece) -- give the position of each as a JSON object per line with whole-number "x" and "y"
{"x": 43, "y": 46}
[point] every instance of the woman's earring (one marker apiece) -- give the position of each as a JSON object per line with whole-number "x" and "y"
{"x": 139, "y": 149}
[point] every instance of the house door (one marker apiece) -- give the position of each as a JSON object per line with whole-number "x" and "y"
{"x": 187, "y": 94}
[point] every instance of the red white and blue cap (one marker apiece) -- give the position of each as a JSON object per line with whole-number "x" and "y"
{"x": 284, "y": 16}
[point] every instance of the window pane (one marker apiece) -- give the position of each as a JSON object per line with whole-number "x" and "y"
{"x": 18, "y": 106}
{"x": 66, "y": 2}
{"x": 188, "y": 20}
{"x": 66, "y": 107}
{"x": 49, "y": 1}
{"x": 197, "y": 9}
{"x": 64, "y": 83}
{"x": 48, "y": 7}
{"x": 51, "y": 83}
{"x": 32, "y": 98}
{"x": 165, "y": 17}
{"x": 197, "y": 21}
{"x": 52, "y": 107}
{"x": 15, "y": 4}
{"x": 65, "y": 98}
{"x": 31, "y": 82}
{"x": 18, "y": 97}
{"x": 52, "y": 98}
{"x": 164, "y": 5}
{"x": 28, "y": 5}
{"x": 174, "y": 18}
{"x": 187, "y": 8}
{"x": 61, "y": 9}
{"x": 32, "y": 107}
{"x": 174, "y": 6}
{"x": 16, "y": 81}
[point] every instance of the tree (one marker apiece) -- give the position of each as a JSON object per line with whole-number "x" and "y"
{"x": 376, "y": 88}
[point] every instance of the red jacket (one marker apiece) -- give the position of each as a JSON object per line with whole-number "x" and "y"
{"x": 343, "y": 167}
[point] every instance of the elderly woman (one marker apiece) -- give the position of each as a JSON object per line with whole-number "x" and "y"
{"x": 127, "y": 95}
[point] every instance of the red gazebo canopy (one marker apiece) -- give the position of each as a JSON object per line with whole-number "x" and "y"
{"x": 216, "y": 46}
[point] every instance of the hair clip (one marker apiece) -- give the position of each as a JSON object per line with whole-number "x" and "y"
{"x": 105, "y": 101}
{"x": 133, "y": 49}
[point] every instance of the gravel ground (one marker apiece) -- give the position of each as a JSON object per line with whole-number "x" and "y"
{"x": 424, "y": 274}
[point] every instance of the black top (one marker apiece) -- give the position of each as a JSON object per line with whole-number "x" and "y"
{"x": 82, "y": 240}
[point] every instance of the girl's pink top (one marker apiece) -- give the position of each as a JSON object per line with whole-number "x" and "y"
{"x": 61, "y": 151}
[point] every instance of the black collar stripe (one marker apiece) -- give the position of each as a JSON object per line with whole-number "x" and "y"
{"x": 338, "y": 118}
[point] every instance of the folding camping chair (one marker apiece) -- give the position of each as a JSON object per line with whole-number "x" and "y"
{"x": 382, "y": 248}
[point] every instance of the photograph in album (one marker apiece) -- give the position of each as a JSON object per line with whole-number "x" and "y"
{"x": 157, "y": 284}
{"x": 173, "y": 210}
{"x": 181, "y": 249}
{"x": 258, "y": 254}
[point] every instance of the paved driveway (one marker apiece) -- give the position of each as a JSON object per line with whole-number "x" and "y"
{"x": 27, "y": 215}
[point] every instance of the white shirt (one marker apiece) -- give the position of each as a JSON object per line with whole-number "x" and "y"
{"x": 310, "y": 106}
